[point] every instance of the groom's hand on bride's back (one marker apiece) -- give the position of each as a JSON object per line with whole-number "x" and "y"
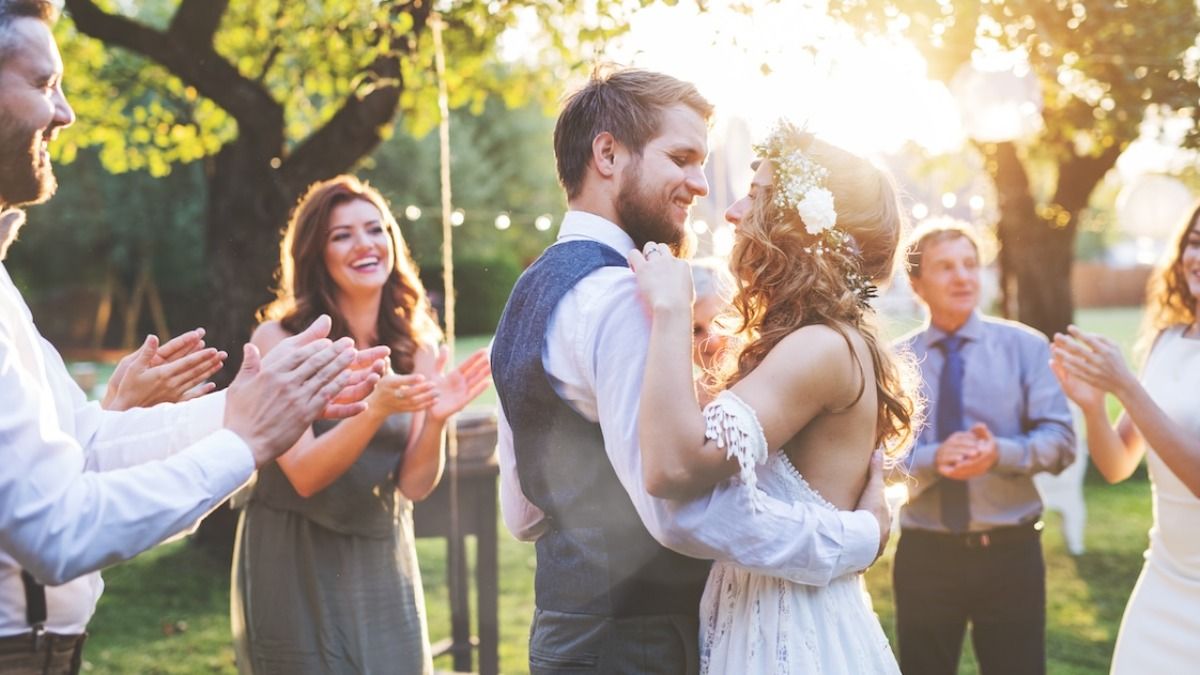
{"x": 874, "y": 501}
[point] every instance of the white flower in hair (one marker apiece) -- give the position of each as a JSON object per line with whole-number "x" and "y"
{"x": 816, "y": 210}
{"x": 800, "y": 188}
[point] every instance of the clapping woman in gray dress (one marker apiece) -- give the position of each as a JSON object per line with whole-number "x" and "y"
{"x": 325, "y": 577}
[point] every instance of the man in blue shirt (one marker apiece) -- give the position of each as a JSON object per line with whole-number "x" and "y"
{"x": 969, "y": 547}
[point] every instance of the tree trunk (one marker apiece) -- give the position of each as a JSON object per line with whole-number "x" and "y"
{"x": 1042, "y": 259}
{"x": 1037, "y": 246}
{"x": 247, "y": 211}
{"x": 1035, "y": 253}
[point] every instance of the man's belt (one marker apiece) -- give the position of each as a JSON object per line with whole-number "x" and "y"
{"x": 997, "y": 536}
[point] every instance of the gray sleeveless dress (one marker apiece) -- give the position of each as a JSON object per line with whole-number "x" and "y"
{"x": 329, "y": 584}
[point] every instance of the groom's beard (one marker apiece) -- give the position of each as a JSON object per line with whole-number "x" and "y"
{"x": 647, "y": 217}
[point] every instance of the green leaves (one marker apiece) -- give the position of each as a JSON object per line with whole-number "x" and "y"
{"x": 1100, "y": 62}
{"x": 311, "y": 57}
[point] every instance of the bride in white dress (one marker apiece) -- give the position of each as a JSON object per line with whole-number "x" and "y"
{"x": 810, "y": 396}
{"x": 1160, "y": 632}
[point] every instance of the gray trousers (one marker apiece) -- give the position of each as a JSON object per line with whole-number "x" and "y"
{"x": 661, "y": 644}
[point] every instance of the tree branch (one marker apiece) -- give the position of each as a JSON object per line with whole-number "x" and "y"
{"x": 354, "y": 130}
{"x": 1078, "y": 176}
{"x": 196, "y": 21}
{"x": 198, "y": 66}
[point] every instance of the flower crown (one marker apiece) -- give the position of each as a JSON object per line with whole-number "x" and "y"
{"x": 800, "y": 188}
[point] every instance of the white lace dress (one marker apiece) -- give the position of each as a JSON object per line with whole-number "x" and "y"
{"x": 751, "y": 623}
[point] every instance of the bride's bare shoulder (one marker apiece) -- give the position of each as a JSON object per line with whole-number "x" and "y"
{"x": 816, "y": 342}
{"x": 819, "y": 355}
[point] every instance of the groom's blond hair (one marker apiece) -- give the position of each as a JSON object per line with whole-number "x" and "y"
{"x": 627, "y": 103}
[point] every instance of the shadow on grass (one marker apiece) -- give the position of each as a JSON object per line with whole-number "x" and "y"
{"x": 166, "y": 613}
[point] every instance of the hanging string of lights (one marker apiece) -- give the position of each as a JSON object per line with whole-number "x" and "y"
{"x": 541, "y": 222}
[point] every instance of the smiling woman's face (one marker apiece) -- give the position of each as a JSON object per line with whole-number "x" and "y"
{"x": 358, "y": 250}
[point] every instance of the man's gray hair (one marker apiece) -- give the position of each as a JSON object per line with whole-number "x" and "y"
{"x": 11, "y": 10}
{"x": 711, "y": 277}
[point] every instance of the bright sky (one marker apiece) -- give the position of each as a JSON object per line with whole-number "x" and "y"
{"x": 788, "y": 59}
{"x": 867, "y": 98}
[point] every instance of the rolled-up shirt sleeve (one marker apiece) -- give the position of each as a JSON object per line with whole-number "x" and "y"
{"x": 801, "y": 542}
{"x": 58, "y": 519}
{"x": 525, "y": 521}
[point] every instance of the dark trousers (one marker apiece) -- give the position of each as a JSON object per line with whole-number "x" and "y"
{"x": 998, "y": 584}
{"x": 661, "y": 644}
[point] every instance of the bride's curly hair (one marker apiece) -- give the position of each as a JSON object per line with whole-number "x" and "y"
{"x": 784, "y": 285}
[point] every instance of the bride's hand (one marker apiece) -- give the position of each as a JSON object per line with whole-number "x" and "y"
{"x": 665, "y": 281}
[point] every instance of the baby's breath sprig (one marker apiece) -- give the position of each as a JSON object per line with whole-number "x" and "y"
{"x": 800, "y": 188}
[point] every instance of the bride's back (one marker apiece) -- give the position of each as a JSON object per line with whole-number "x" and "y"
{"x": 833, "y": 451}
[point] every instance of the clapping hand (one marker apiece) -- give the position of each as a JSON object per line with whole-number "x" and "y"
{"x": 1087, "y": 366}
{"x": 275, "y": 398}
{"x": 665, "y": 281}
{"x": 401, "y": 393}
{"x": 454, "y": 390}
{"x": 365, "y": 372}
{"x": 967, "y": 454}
{"x": 153, "y": 374}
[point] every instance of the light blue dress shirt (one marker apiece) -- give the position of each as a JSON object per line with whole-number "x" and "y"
{"x": 1007, "y": 385}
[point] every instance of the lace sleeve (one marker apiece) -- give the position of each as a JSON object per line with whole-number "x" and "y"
{"x": 734, "y": 426}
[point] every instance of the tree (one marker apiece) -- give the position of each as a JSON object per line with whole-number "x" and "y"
{"x": 273, "y": 95}
{"x": 504, "y": 164}
{"x": 1104, "y": 66}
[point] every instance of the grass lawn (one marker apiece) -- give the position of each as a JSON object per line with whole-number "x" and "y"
{"x": 167, "y": 610}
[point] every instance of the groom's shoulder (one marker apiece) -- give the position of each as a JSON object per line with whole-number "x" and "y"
{"x": 609, "y": 289}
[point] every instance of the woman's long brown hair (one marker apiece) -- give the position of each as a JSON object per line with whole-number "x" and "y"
{"x": 1169, "y": 302}
{"x": 782, "y": 287}
{"x": 306, "y": 290}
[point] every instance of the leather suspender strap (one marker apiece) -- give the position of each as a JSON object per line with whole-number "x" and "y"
{"x": 35, "y": 606}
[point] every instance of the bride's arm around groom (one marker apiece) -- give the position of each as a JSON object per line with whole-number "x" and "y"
{"x": 609, "y": 337}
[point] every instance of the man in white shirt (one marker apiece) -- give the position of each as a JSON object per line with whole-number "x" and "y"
{"x": 80, "y": 487}
{"x": 619, "y": 572}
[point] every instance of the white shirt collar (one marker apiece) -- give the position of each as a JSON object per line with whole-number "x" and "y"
{"x": 584, "y": 225}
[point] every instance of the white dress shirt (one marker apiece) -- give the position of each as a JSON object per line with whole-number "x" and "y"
{"x": 594, "y": 356}
{"x": 81, "y": 487}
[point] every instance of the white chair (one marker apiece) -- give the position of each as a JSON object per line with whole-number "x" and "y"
{"x": 1064, "y": 492}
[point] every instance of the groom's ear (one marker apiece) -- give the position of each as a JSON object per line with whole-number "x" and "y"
{"x": 604, "y": 154}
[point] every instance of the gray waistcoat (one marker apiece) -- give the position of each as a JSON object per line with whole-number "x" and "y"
{"x": 596, "y": 557}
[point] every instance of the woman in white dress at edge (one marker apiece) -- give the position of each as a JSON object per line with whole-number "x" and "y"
{"x": 1160, "y": 632}
{"x": 817, "y": 228}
